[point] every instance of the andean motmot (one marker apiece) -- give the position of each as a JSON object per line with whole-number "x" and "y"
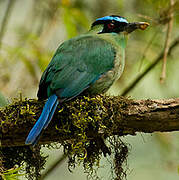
{"x": 90, "y": 63}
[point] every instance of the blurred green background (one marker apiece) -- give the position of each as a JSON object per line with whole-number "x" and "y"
{"x": 30, "y": 32}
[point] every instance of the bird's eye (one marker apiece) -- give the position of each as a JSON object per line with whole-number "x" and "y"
{"x": 111, "y": 25}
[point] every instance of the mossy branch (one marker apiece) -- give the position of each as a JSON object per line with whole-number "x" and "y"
{"x": 103, "y": 115}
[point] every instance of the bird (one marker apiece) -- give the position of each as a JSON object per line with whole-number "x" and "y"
{"x": 88, "y": 63}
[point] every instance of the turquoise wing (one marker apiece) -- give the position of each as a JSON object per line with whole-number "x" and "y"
{"x": 77, "y": 64}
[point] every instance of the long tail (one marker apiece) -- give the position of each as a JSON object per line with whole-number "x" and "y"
{"x": 43, "y": 120}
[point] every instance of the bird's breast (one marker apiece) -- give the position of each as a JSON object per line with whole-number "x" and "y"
{"x": 108, "y": 78}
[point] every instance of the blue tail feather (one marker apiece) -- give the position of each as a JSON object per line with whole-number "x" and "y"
{"x": 43, "y": 121}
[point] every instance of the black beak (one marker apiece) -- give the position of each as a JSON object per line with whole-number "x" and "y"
{"x": 136, "y": 25}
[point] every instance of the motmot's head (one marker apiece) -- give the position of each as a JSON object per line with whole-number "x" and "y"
{"x": 117, "y": 24}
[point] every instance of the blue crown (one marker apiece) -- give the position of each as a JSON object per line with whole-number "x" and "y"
{"x": 115, "y": 18}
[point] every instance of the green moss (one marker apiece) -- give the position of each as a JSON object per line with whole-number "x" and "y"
{"x": 16, "y": 112}
{"x": 90, "y": 115}
{"x": 30, "y": 160}
{"x": 88, "y": 119}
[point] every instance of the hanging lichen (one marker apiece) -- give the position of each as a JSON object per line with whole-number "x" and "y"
{"x": 30, "y": 160}
{"x": 87, "y": 119}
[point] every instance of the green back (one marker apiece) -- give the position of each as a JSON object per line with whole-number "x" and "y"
{"x": 76, "y": 65}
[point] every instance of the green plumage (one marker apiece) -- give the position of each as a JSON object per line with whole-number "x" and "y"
{"x": 88, "y": 62}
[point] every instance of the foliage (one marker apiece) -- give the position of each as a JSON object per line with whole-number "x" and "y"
{"x": 3, "y": 100}
{"x": 11, "y": 174}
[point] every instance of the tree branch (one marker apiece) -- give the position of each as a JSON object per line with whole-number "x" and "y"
{"x": 167, "y": 41}
{"x": 114, "y": 116}
{"x": 150, "y": 67}
{"x": 53, "y": 167}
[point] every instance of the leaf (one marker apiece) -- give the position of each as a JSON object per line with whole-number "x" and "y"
{"x": 3, "y": 100}
{"x": 12, "y": 174}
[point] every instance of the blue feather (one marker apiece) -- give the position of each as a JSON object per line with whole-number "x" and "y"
{"x": 115, "y": 18}
{"x": 43, "y": 121}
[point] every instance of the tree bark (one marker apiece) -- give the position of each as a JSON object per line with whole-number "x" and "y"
{"x": 114, "y": 116}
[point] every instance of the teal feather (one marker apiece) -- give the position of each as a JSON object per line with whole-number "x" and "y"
{"x": 87, "y": 63}
{"x": 76, "y": 64}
